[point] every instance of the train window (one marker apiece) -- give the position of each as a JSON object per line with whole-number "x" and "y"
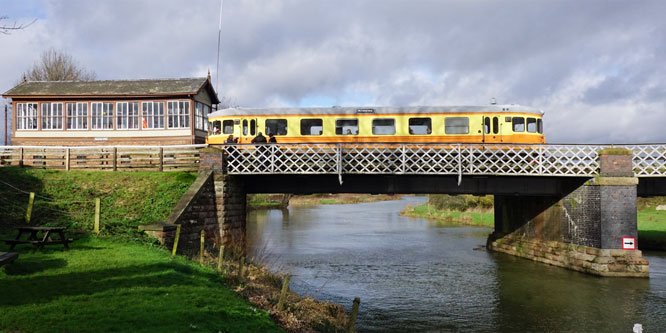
{"x": 244, "y": 127}
{"x": 253, "y": 127}
{"x": 518, "y": 124}
{"x": 456, "y": 125}
{"x": 276, "y": 126}
{"x": 486, "y": 125}
{"x": 531, "y": 125}
{"x": 227, "y": 127}
{"x": 420, "y": 126}
{"x": 383, "y": 126}
{"x": 540, "y": 126}
{"x": 346, "y": 126}
{"x": 312, "y": 126}
{"x": 495, "y": 125}
{"x": 214, "y": 128}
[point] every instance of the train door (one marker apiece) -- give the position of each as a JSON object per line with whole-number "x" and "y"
{"x": 248, "y": 130}
{"x": 492, "y": 130}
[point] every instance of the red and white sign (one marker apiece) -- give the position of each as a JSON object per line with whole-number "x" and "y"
{"x": 628, "y": 243}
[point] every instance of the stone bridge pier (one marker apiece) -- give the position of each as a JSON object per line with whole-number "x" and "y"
{"x": 587, "y": 230}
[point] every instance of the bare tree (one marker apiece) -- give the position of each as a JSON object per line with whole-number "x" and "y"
{"x": 57, "y": 66}
{"x": 7, "y": 29}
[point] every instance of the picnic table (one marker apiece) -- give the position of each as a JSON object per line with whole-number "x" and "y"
{"x": 7, "y": 257}
{"x": 35, "y": 239}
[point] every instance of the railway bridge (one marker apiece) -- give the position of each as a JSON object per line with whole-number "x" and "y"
{"x": 572, "y": 206}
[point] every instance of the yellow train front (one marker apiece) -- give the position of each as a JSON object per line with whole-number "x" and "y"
{"x": 417, "y": 124}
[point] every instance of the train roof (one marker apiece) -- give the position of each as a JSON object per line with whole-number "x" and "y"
{"x": 511, "y": 108}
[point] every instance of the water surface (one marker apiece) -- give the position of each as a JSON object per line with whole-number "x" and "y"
{"x": 417, "y": 275}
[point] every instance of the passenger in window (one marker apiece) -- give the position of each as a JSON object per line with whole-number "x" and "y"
{"x": 271, "y": 138}
{"x": 349, "y": 132}
{"x": 428, "y": 131}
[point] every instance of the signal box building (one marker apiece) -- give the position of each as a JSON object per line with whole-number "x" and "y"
{"x": 116, "y": 112}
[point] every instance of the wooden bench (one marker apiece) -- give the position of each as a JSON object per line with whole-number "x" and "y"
{"x": 7, "y": 257}
{"x": 34, "y": 239}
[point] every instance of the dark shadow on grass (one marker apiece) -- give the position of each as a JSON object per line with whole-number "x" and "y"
{"x": 14, "y": 183}
{"x": 33, "y": 265}
{"x": 42, "y": 289}
{"x": 652, "y": 240}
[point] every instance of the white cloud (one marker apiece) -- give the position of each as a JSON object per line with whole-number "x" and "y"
{"x": 595, "y": 67}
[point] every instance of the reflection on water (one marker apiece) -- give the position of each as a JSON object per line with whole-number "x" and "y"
{"x": 415, "y": 275}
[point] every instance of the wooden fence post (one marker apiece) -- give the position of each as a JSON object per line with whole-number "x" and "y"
{"x": 97, "y": 209}
{"x": 201, "y": 249}
{"x": 175, "y": 241}
{"x": 161, "y": 159}
{"x": 28, "y": 212}
{"x": 115, "y": 158}
{"x": 352, "y": 316}
{"x": 283, "y": 293}
{"x": 67, "y": 154}
{"x": 219, "y": 259}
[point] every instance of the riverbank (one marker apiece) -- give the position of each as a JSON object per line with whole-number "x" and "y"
{"x": 277, "y": 201}
{"x": 651, "y": 222}
{"x": 130, "y": 199}
{"x": 477, "y": 217}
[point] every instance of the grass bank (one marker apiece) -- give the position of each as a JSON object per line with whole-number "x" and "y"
{"x": 481, "y": 218}
{"x": 128, "y": 199}
{"x": 652, "y": 229}
{"x": 105, "y": 285}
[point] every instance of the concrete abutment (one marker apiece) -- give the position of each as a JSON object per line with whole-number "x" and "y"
{"x": 582, "y": 230}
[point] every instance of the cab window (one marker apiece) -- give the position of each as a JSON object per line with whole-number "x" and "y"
{"x": 383, "y": 126}
{"x": 456, "y": 125}
{"x": 540, "y": 126}
{"x": 312, "y": 126}
{"x": 276, "y": 126}
{"x": 346, "y": 126}
{"x": 227, "y": 127}
{"x": 420, "y": 126}
{"x": 518, "y": 124}
{"x": 214, "y": 128}
{"x": 531, "y": 125}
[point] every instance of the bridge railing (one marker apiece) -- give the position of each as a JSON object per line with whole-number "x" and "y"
{"x": 441, "y": 159}
{"x": 125, "y": 158}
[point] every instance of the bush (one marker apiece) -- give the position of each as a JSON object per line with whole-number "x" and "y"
{"x": 460, "y": 202}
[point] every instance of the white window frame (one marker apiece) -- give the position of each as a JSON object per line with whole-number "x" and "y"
{"x": 77, "y": 116}
{"x": 127, "y": 115}
{"x": 52, "y": 116}
{"x": 199, "y": 115}
{"x": 26, "y": 116}
{"x": 152, "y": 114}
{"x": 102, "y": 116}
{"x": 178, "y": 114}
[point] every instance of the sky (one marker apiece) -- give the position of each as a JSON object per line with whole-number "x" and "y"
{"x": 597, "y": 68}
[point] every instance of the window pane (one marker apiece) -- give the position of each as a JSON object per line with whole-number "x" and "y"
{"x": 383, "y": 126}
{"x": 540, "y": 126}
{"x": 518, "y": 124}
{"x": 245, "y": 127}
{"x": 420, "y": 126}
{"x": 495, "y": 125}
{"x": 276, "y": 126}
{"x": 486, "y": 125}
{"x": 312, "y": 126}
{"x": 531, "y": 125}
{"x": 346, "y": 126}
{"x": 253, "y": 127}
{"x": 456, "y": 125}
{"x": 227, "y": 127}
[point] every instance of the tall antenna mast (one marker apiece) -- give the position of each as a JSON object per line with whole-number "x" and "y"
{"x": 217, "y": 70}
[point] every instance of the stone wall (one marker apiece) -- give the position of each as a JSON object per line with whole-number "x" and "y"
{"x": 590, "y": 260}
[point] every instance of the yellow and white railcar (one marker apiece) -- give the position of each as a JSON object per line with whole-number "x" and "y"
{"x": 423, "y": 124}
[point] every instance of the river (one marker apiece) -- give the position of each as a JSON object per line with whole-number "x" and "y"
{"x": 418, "y": 275}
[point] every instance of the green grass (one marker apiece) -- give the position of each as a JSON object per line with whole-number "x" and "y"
{"x": 104, "y": 285}
{"x": 652, "y": 229}
{"x": 466, "y": 218}
{"x": 128, "y": 199}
